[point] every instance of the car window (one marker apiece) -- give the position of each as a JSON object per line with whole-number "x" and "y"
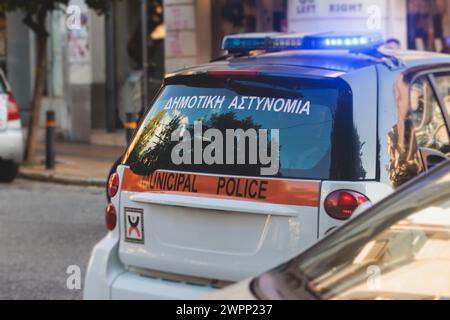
{"x": 443, "y": 85}
{"x": 395, "y": 263}
{"x": 303, "y": 113}
{"x": 427, "y": 117}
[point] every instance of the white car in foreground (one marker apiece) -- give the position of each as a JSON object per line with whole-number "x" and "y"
{"x": 11, "y": 138}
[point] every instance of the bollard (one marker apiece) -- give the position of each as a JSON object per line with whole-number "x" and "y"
{"x": 50, "y": 141}
{"x": 130, "y": 126}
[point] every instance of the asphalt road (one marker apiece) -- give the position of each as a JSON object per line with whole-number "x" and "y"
{"x": 44, "y": 229}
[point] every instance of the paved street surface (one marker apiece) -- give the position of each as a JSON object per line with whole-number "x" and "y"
{"x": 83, "y": 164}
{"x": 44, "y": 228}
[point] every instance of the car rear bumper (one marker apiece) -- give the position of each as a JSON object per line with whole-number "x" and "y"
{"x": 131, "y": 286}
{"x": 11, "y": 145}
{"x": 108, "y": 279}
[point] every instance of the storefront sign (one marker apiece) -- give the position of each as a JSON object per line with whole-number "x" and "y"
{"x": 300, "y": 9}
{"x": 179, "y": 17}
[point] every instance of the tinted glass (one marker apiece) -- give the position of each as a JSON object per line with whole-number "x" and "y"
{"x": 382, "y": 255}
{"x": 443, "y": 83}
{"x": 428, "y": 120}
{"x": 303, "y": 114}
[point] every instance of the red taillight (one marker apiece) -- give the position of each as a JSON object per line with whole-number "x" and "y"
{"x": 13, "y": 108}
{"x": 233, "y": 73}
{"x": 113, "y": 184}
{"x": 342, "y": 204}
{"x": 110, "y": 217}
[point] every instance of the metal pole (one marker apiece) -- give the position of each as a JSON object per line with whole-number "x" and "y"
{"x": 111, "y": 98}
{"x": 145, "y": 64}
{"x": 50, "y": 141}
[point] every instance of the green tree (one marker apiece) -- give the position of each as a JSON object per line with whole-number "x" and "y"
{"x": 35, "y": 16}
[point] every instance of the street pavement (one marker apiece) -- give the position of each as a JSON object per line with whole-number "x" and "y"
{"x": 76, "y": 163}
{"x": 44, "y": 229}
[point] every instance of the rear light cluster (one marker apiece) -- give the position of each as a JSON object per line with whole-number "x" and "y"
{"x": 342, "y": 204}
{"x": 110, "y": 211}
{"x": 13, "y": 108}
{"x": 113, "y": 185}
{"x": 110, "y": 217}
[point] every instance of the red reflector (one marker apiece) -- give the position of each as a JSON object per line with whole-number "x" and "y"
{"x": 233, "y": 73}
{"x": 110, "y": 217}
{"x": 113, "y": 184}
{"x": 342, "y": 204}
{"x": 13, "y": 109}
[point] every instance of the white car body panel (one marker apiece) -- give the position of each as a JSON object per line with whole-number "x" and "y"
{"x": 131, "y": 286}
{"x": 104, "y": 265}
{"x": 218, "y": 239}
{"x": 11, "y": 145}
{"x": 11, "y": 136}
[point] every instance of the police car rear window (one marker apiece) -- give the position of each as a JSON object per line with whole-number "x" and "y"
{"x": 297, "y": 116}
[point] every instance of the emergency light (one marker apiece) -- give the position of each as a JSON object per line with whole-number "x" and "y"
{"x": 248, "y": 42}
{"x": 294, "y": 41}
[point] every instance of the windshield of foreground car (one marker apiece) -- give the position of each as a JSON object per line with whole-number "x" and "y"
{"x": 385, "y": 256}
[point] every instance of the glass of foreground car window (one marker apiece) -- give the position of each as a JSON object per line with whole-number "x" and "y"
{"x": 402, "y": 252}
{"x": 409, "y": 260}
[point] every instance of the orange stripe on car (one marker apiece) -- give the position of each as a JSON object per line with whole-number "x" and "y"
{"x": 276, "y": 191}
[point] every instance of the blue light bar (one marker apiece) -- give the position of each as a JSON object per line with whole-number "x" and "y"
{"x": 280, "y": 42}
{"x": 357, "y": 42}
{"x": 248, "y": 42}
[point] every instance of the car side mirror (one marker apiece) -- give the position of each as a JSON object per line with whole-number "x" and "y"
{"x": 431, "y": 157}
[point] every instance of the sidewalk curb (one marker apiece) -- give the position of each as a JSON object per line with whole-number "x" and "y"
{"x": 61, "y": 179}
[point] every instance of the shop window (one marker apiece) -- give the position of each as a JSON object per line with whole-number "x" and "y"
{"x": 428, "y": 25}
{"x": 244, "y": 16}
{"x": 428, "y": 120}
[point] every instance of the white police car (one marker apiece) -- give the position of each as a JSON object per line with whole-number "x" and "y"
{"x": 193, "y": 210}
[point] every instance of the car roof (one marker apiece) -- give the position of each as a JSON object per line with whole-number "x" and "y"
{"x": 327, "y": 63}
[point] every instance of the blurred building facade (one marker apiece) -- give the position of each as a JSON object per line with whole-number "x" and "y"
{"x": 95, "y": 76}
{"x": 75, "y": 77}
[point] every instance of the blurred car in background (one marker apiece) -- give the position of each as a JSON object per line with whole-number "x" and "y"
{"x": 397, "y": 250}
{"x": 11, "y": 137}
